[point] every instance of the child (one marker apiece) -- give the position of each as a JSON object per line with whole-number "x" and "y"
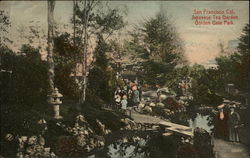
{"x": 124, "y": 103}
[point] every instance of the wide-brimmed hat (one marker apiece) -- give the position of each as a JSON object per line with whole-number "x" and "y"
{"x": 233, "y": 106}
{"x": 226, "y": 101}
{"x": 221, "y": 106}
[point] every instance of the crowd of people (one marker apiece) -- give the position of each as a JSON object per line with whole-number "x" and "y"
{"x": 227, "y": 123}
{"x": 128, "y": 96}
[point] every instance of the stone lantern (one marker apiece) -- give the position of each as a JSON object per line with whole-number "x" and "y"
{"x": 55, "y": 101}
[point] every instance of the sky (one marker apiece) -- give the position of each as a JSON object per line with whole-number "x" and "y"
{"x": 200, "y": 41}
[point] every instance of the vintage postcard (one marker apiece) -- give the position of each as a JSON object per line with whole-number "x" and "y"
{"x": 124, "y": 79}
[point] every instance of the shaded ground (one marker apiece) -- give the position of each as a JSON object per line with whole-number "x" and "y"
{"x": 226, "y": 149}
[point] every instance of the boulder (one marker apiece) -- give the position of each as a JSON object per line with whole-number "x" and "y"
{"x": 152, "y": 104}
{"x": 167, "y": 110}
{"x": 148, "y": 109}
{"x": 160, "y": 105}
{"x": 140, "y": 106}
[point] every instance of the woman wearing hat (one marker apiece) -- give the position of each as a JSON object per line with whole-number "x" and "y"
{"x": 221, "y": 123}
{"x": 233, "y": 123}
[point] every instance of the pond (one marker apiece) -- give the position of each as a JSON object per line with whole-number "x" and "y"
{"x": 144, "y": 144}
{"x": 121, "y": 149}
{"x": 201, "y": 121}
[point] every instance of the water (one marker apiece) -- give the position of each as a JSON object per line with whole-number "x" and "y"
{"x": 201, "y": 122}
{"x": 125, "y": 149}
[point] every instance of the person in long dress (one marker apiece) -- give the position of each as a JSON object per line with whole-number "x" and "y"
{"x": 234, "y": 119}
{"x": 221, "y": 123}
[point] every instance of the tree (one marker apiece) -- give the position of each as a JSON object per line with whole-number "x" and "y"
{"x": 26, "y": 85}
{"x": 243, "y": 47}
{"x": 51, "y": 6}
{"x": 102, "y": 77}
{"x": 204, "y": 86}
{"x": 159, "y": 45}
{"x": 162, "y": 40}
{"x": 4, "y": 26}
{"x": 64, "y": 58}
{"x": 243, "y": 68}
{"x": 222, "y": 48}
{"x": 91, "y": 23}
{"x": 236, "y": 65}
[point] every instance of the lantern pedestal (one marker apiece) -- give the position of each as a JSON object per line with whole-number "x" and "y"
{"x": 54, "y": 100}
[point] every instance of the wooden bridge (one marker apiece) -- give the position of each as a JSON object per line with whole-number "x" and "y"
{"x": 169, "y": 126}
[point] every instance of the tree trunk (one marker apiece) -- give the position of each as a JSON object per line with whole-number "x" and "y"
{"x": 51, "y": 73}
{"x": 74, "y": 33}
{"x": 84, "y": 61}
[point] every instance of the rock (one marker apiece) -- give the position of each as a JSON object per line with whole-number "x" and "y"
{"x": 47, "y": 150}
{"x": 29, "y": 149}
{"x": 101, "y": 126}
{"x": 140, "y": 106}
{"x": 162, "y": 97}
{"x": 53, "y": 155}
{"x": 181, "y": 102}
{"x": 90, "y": 130}
{"x": 81, "y": 140}
{"x": 91, "y": 156}
{"x": 32, "y": 140}
{"x": 19, "y": 155}
{"x": 126, "y": 121}
{"x": 167, "y": 110}
{"x": 155, "y": 127}
{"x": 87, "y": 148}
{"x": 23, "y": 139}
{"x": 167, "y": 134}
{"x": 81, "y": 118}
{"x": 125, "y": 140}
{"x": 41, "y": 141}
{"x": 148, "y": 109}
{"x": 152, "y": 104}
{"x": 136, "y": 138}
{"x": 9, "y": 137}
{"x": 128, "y": 127}
{"x": 107, "y": 131}
{"x": 161, "y": 105}
{"x": 141, "y": 142}
{"x": 101, "y": 143}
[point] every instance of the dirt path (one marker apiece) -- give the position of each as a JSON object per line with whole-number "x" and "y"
{"x": 226, "y": 149}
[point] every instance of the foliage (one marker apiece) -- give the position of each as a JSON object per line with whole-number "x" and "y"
{"x": 90, "y": 23}
{"x": 27, "y": 84}
{"x": 175, "y": 77}
{"x": 204, "y": 85}
{"x": 4, "y": 26}
{"x": 23, "y": 91}
{"x": 236, "y": 65}
{"x": 99, "y": 21}
{"x": 102, "y": 78}
{"x": 243, "y": 47}
{"x": 157, "y": 43}
{"x": 65, "y": 60}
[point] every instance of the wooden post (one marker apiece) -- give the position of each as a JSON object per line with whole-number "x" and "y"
{"x": 203, "y": 143}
